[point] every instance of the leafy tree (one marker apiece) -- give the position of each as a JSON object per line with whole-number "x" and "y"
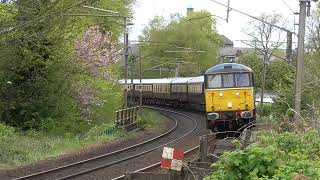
{"x": 164, "y": 39}
{"x": 41, "y": 77}
{"x": 267, "y": 39}
{"x": 255, "y": 62}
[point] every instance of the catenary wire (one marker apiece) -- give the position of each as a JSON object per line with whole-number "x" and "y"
{"x": 253, "y": 17}
{"x": 287, "y": 6}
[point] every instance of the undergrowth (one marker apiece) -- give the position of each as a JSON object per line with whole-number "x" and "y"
{"x": 17, "y": 148}
{"x": 150, "y": 119}
{"x": 273, "y": 156}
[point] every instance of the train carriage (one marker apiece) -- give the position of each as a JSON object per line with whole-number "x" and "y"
{"x": 196, "y": 98}
{"x": 146, "y": 87}
{"x": 162, "y": 90}
{"x": 179, "y": 91}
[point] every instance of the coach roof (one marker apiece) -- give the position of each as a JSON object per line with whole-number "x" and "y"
{"x": 228, "y": 68}
{"x": 199, "y": 79}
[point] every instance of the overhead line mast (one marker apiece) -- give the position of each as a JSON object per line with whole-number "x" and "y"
{"x": 304, "y": 10}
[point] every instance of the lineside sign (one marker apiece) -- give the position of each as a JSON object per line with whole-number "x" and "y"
{"x": 172, "y": 159}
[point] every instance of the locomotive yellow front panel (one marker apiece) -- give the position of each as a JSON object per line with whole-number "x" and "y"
{"x": 235, "y": 99}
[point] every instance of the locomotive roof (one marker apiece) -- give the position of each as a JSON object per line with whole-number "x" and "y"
{"x": 227, "y": 68}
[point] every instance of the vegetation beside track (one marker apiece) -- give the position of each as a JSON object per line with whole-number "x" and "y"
{"x": 273, "y": 156}
{"x": 21, "y": 148}
{"x": 149, "y": 119}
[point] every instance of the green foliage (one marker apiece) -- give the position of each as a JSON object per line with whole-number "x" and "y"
{"x": 8, "y": 13}
{"x": 199, "y": 34}
{"x": 280, "y": 75}
{"x": 279, "y": 80}
{"x": 255, "y": 62}
{"x": 17, "y": 148}
{"x": 108, "y": 97}
{"x": 150, "y": 119}
{"x": 273, "y": 156}
{"x": 39, "y": 69}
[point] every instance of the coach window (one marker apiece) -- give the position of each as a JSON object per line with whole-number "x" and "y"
{"x": 214, "y": 81}
{"x": 228, "y": 80}
{"x": 242, "y": 80}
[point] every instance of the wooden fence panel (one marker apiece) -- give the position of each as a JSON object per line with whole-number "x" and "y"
{"x": 126, "y": 117}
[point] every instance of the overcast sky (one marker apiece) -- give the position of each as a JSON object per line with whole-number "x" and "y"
{"x": 145, "y": 10}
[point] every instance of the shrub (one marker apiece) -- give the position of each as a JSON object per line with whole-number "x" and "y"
{"x": 149, "y": 119}
{"x": 274, "y": 156}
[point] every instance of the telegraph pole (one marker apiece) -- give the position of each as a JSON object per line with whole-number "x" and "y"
{"x": 131, "y": 75}
{"x": 289, "y": 47}
{"x": 126, "y": 55}
{"x": 264, "y": 73}
{"x": 300, "y": 59}
{"x": 228, "y": 11}
{"x": 140, "y": 77}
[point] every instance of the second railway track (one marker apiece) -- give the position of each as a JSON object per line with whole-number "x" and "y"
{"x": 214, "y": 140}
{"x": 110, "y": 165}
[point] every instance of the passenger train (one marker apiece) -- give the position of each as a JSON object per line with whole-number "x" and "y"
{"x": 225, "y": 93}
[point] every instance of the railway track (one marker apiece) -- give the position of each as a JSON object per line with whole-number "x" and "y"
{"x": 214, "y": 139}
{"x": 184, "y": 127}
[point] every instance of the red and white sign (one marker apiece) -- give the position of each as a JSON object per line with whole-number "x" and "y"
{"x": 172, "y": 159}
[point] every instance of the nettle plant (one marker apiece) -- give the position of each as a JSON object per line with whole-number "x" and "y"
{"x": 273, "y": 156}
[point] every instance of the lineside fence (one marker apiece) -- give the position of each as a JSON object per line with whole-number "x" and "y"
{"x": 127, "y": 118}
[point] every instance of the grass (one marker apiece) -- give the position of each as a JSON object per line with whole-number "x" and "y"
{"x": 18, "y": 149}
{"x": 149, "y": 119}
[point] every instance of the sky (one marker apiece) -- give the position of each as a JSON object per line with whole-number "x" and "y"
{"x": 145, "y": 10}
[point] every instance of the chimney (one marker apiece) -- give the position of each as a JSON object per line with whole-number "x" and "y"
{"x": 189, "y": 10}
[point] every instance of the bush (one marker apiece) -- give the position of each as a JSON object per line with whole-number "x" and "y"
{"x": 149, "y": 119}
{"x": 6, "y": 132}
{"x": 274, "y": 156}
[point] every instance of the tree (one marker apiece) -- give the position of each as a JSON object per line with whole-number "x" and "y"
{"x": 179, "y": 41}
{"x": 41, "y": 77}
{"x": 267, "y": 39}
{"x": 313, "y": 32}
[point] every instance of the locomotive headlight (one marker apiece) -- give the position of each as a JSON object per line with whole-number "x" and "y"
{"x": 213, "y": 116}
{"x": 246, "y": 114}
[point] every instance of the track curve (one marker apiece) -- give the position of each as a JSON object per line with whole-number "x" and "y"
{"x": 105, "y": 161}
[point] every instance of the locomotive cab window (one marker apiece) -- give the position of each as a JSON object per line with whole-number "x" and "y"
{"x": 228, "y": 81}
{"x": 231, "y": 80}
{"x": 214, "y": 81}
{"x": 242, "y": 80}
